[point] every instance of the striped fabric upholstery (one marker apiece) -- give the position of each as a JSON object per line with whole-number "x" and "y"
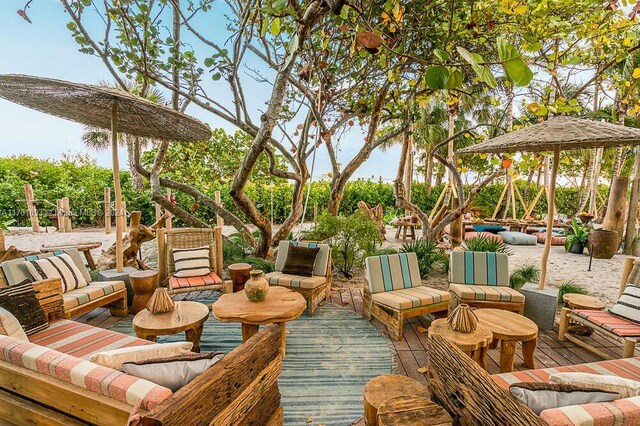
{"x": 608, "y": 321}
{"x": 556, "y": 240}
{"x": 295, "y": 281}
{"x": 191, "y": 282}
{"x": 82, "y": 340}
{"x": 479, "y": 268}
{"x": 490, "y": 293}
{"x": 58, "y": 266}
{"x": 87, "y": 375}
{"x": 473, "y": 234}
{"x": 628, "y": 305}
{"x": 322, "y": 260}
{"x": 392, "y": 272}
{"x": 93, "y": 291}
{"x": 414, "y": 297}
{"x": 191, "y": 262}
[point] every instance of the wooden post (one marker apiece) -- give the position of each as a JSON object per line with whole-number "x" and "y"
{"x": 67, "y": 214}
{"x": 60, "y": 214}
{"x": 124, "y": 216}
{"x": 594, "y": 181}
{"x": 628, "y": 266}
{"x": 513, "y": 200}
{"x": 162, "y": 255}
{"x": 116, "y": 185}
{"x": 497, "y": 209}
{"x": 169, "y": 220}
{"x": 158, "y": 211}
{"x": 550, "y": 210}
{"x": 107, "y": 210}
{"x": 219, "y": 219}
{"x": 219, "y": 256}
{"x": 31, "y": 207}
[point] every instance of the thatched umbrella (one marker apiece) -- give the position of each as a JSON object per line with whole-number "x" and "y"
{"x": 106, "y": 108}
{"x": 556, "y": 134}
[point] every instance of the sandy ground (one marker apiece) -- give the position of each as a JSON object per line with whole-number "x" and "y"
{"x": 602, "y": 281}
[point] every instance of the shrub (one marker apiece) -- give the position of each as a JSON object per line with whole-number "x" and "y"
{"x": 485, "y": 243}
{"x": 522, "y": 275}
{"x": 569, "y": 287}
{"x": 429, "y": 255}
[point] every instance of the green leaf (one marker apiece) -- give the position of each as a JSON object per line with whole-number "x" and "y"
{"x": 436, "y": 77}
{"x": 441, "y": 54}
{"x": 264, "y": 27}
{"x": 455, "y": 80}
{"x": 383, "y": 60}
{"x": 467, "y": 56}
{"x": 275, "y": 27}
{"x": 216, "y": 76}
{"x": 208, "y": 62}
{"x": 518, "y": 72}
{"x": 506, "y": 51}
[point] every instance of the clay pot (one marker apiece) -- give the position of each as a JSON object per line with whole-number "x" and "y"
{"x": 603, "y": 243}
{"x": 462, "y": 319}
{"x": 257, "y": 287}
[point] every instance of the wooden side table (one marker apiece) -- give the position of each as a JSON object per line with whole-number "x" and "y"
{"x": 474, "y": 344}
{"x": 144, "y": 283}
{"x": 381, "y": 388}
{"x": 84, "y": 248}
{"x": 239, "y": 274}
{"x": 412, "y": 410}
{"x": 582, "y": 301}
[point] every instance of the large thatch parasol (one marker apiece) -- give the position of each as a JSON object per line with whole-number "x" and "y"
{"x": 105, "y": 108}
{"x": 556, "y": 134}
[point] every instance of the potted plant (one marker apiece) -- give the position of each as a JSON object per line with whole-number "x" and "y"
{"x": 577, "y": 239}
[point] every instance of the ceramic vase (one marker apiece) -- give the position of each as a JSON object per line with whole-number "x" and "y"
{"x": 160, "y": 301}
{"x": 257, "y": 287}
{"x": 463, "y": 319}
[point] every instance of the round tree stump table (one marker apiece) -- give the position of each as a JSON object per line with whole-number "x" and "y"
{"x": 582, "y": 301}
{"x": 381, "y": 388}
{"x": 510, "y": 328}
{"x": 412, "y": 410}
{"x": 474, "y": 344}
{"x": 144, "y": 283}
{"x": 239, "y": 274}
{"x": 186, "y": 316}
{"x": 279, "y": 306}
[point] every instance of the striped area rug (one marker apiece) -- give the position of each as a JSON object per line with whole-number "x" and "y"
{"x": 330, "y": 357}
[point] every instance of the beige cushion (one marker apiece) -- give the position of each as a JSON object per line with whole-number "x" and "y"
{"x": 408, "y": 298}
{"x": 486, "y": 292}
{"x": 625, "y": 387}
{"x": 9, "y": 326}
{"x": 93, "y": 291}
{"x": 390, "y": 272}
{"x": 540, "y": 396}
{"x": 294, "y": 281}
{"x": 59, "y": 266}
{"x": 116, "y": 357}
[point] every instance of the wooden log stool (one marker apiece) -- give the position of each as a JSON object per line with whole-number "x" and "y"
{"x": 581, "y": 301}
{"x": 381, "y": 388}
{"x": 144, "y": 283}
{"x": 412, "y": 410}
{"x": 239, "y": 274}
{"x": 474, "y": 344}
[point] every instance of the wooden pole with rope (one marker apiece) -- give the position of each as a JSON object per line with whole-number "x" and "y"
{"x": 116, "y": 185}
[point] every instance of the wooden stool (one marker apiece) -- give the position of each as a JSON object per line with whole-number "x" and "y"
{"x": 144, "y": 283}
{"x": 239, "y": 274}
{"x": 381, "y": 388}
{"x": 581, "y": 301}
{"x": 412, "y": 410}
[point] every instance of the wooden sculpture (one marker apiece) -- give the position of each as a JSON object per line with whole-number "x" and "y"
{"x": 160, "y": 301}
{"x": 463, "y": 319}
{"x": 376, "y": 214}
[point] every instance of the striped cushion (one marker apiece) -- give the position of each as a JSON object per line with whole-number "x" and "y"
{"x": 296, "y": 281}
{"x": 414, "y": 297}
{"x": 479, "y": 268}
{"x": 58, "y": 266}
{"x": 392, "y": 272}
{"x": 210, "y": 279}
{"x": 613, "y": 323}
{"x": 82, "y": 340}
{"x": 628, "y": 305}
{"x": 490, "y": 293}
{"x": 322, "y": 259}
{"x": 555, "y": 239}
{"x": 93, "y": 291}
{"x": 472, "y": 234}
{"x": 87, "y": 375}
{"x": 191, "y": 262}
{"x": 21, "y": 302}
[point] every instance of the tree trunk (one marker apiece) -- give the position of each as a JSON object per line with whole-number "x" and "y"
{"x": 136, "y": 178}
{"x": 614, "y": 219}
{"x": 428, "y": 177}
{"x": 630, "y": 231}
{"x": 527, "y": 187}
{"x": 585, "y": 184}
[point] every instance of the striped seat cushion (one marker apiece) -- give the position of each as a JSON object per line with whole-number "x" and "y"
{"x": 93, "y": 291}
{"x": 414, "y": 297}
{"x": 490, "y": 293}
{"x": 191, "y": 262}
{"x": 479, "y": 268}
{"x": 610, "y": 322}
{"x": 79, "y": 372}
{"x": 392, "y": 272}
{"x": 628, "y": 305}
{"x": 295, "y": 281}
{"x": 210, "y": 279}
{"x": 82, "y": 340}
{"x": 322, "y": 259}
{"x": 58, "y": 266}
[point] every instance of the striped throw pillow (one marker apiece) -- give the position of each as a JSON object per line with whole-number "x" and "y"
{"x": 628, "y": 305}
{"x": 58, "y": 266}
{"x": 193, "y": 262}
{"x": 21, "y": 302}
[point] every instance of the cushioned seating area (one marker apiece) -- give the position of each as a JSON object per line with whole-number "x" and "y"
{"x": 82, "y": 340}
{"x": 555, "y": 239}
{"x": 493, "y": 229}
{"x": 176, "y": 283}
{"x": 414, "y": 297}
{"x": 610, "y": 322}
{"x": 295, "y": 281}
{"x": 92, "y": 377}
{"x": 469, "y": 235}
{"x": 479, "y": 268}
{"x": 486, "y": 292}
{"x": 322, "y": 259}
{"x": 94, "y": 291}
{"x": 518, "y": 238}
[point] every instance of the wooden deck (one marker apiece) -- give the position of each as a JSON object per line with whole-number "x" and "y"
{"x": 411, "y": 352}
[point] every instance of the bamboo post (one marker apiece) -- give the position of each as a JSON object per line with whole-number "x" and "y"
{"x": 67, "y": 214}
{"x": 31, "y": 207}
{"x": 628, "y": 266}
{"x": 219, "y": 219}
{"x": 438, "y": 201}
{"x": 513, "y": 201}
{"x": 594, "y": 181}
{"x": 169, "y": 219}
{"x": 533, "y": 203}
{"x": 60, "y": 214}
{"x": 107, "y": 210}
{"x": 497, "y": 209}
{"x": 219, "y": 255}
{"x": 116, "y": 185}
{"x": 630, "y": 231}
{"x": 550, "y": 210}
{"x": 162, "y": 255}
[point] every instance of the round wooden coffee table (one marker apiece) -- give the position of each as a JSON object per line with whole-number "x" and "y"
{"x": 510, "y": 328}
{"x": 474, "y": 344}
{"x": 412, "y": 410}
{"x": 144, "y": 283}
{"x": 279, "y": 306}
{"x": 582, "y": 301}
{"x": 381, "y": 388}
{"x": 187, "y": 316}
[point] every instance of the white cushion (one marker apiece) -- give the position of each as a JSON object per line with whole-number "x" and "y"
{"x": 192, "y": 262}
{"x": 9, "y": 326}
{"x": 628, "y": 305}
{"x": 58, "y": 266}
{"x": 116, "y": 357}
{"x": 625, "y": 387}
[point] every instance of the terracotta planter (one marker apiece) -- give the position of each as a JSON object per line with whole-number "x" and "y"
{"x": 257, "y": 287}
{"x": 603, "y": 244}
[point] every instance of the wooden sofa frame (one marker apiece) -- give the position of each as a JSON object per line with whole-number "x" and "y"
{"x": 517, "y": 307}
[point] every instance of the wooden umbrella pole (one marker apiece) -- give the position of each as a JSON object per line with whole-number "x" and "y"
{"x": 116, "y": 184}
{"x": 550, "y": 210}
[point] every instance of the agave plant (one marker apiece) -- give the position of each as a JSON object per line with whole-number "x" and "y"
{"x": 429, "y": 255}
{"x": 522, "y": 275}
{"x": 486, "y": 243}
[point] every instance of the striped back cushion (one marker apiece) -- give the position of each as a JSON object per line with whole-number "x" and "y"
{"x": 322, "y": 259}
{"x": 392, "y": 272}
{"x": 21, "y": 302}
{"x": 59, "y": 266}
{"x": 192, "y": 262}
{"x": 628, "y": 306}
{"x": 479, "y": 268}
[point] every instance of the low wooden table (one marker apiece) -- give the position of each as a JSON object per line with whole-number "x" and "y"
{"x": 84, "y": 248}
{"x": 144, "y": 283}
{"x": 187, "y": 316}
{"x": 412, "y": 410}
{"x": 381, "y": 388}
{"x": 582, "y": 301}
{"x": 510, "y": 328}
{"x": 239, "y": 274}
{"x": 279, "y": 306}
{"x": 474, "y": 344}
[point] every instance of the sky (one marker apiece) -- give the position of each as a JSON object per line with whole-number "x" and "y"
{"x": 45, "y": 48}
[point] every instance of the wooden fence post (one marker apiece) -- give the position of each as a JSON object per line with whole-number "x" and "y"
{"x": 67, "y": 214}
{"x": 219, "y": 219}
{"x": 124, "y": 216}
{"x": 60, "y": 214}
{"x": 31, "y": 208}
{"x": 107, "y": 210}
{"x": 169, "y": 222}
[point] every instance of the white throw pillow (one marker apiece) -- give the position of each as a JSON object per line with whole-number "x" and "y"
{"x": 9, "y": 326}
{"x": 628, "y": 305}
{"x": 192, "y": 262}
{"x": 625, "y": 387}
{"x": 116, "y": 357}
{"x": 58, "y": 266}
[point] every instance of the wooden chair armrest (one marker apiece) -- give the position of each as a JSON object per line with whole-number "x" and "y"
{"x": 49, "y": 294}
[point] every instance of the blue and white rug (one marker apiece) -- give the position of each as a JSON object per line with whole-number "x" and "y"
{"x": 330, "y": 357}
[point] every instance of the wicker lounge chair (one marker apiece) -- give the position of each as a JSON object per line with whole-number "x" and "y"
{"x": 481, "y": 279}
{"x": 315, "y": 288}
{"x": 395, "y": 292}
